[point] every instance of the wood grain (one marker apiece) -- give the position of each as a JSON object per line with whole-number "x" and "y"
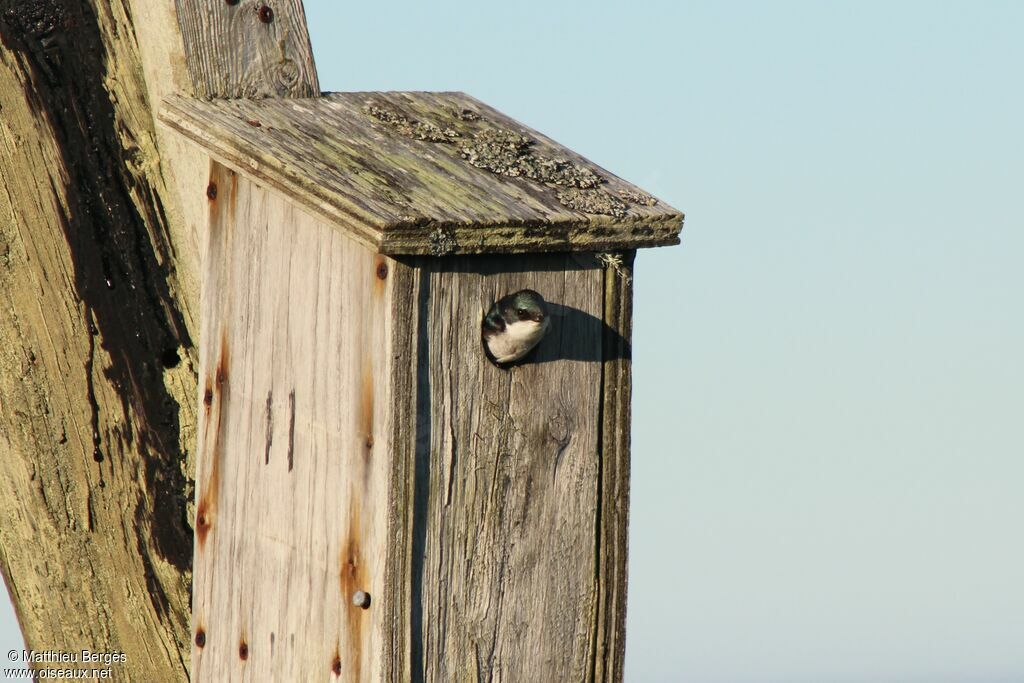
{"x": 296, "y": 435}
{"x": 342, "y": 160}
{"x": 248, "y": 49}
{"x": 97, "y": 389}
{"x": 507, "y": 571}
{"x": 613, "y": 514}
{"x": 407, "y": 332}
{"x": 353, "y": 436}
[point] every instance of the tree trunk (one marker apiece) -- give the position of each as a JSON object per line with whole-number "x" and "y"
{"x": 97, "y": 360}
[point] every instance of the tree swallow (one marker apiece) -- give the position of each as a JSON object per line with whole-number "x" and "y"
{"x": 514, "y": 325}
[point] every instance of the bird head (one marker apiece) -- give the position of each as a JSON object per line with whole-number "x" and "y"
{"x": 522, "y": 306}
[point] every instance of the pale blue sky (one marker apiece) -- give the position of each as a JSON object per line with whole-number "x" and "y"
{"x": 828, "y": 429}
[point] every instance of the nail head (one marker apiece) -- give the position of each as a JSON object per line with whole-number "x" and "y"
{"x": 361, "y": 599}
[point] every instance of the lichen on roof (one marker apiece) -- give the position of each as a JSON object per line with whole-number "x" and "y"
{"x": 495, "y": 150}
{"x": 410, "y": 128}
{"x": 514, "y": 155}
{"x": 442, "y": 242}
{"x": 638, "y": 197}
{"x": 426, "y": 173}
{"x": 592, "y": 201}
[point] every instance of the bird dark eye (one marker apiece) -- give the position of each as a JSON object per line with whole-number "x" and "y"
{"x": 522, "y": 313}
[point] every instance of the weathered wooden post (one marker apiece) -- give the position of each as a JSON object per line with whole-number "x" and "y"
{"x": 376, "y": 500}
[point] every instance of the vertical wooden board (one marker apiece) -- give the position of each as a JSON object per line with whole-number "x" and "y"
{"x": 294, "y": 445}
{"x": 610, "y": 635}
{"x": 247, "y": 48}
{"x": 406, "y": 322}
{"x": 505, "y": 542}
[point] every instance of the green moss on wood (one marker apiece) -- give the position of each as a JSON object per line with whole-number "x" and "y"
{"x": 426, "y": 173}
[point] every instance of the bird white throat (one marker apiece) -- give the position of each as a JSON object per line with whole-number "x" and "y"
{"x": 517, "y": 340}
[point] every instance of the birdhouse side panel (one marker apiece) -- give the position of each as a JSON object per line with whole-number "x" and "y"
{"x": 294, "y": 446}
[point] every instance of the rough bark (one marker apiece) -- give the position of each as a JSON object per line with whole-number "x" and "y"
{"x": 97, "y": 363}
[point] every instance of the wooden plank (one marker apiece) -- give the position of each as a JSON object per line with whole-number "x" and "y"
{"x": 295, "y": 441}
{"x": 247, "y": 48}
{"x": 426, "y": 173}
{"x": 613, "y": 520}
{"x": 505, "y": 576}
{"x": 398, "y": 587}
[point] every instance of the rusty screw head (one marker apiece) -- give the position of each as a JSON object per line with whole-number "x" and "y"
{"x": 211, "y": 190}
{"x": 336, "y": 666}
{"x": 361, "y": 599}
{"x": 243, "y": 651}
{"x": 266, "y": 14}
{"x": 200, "y": 638}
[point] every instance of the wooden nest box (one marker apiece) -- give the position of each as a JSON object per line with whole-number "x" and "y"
{"x": 376, "y": 499}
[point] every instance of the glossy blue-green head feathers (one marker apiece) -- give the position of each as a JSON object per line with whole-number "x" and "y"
{"x": 523, "y": 305}
{"x": 514, "y": 325}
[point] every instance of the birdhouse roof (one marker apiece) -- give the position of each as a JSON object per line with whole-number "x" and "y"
{"x": 426, "y": 173}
